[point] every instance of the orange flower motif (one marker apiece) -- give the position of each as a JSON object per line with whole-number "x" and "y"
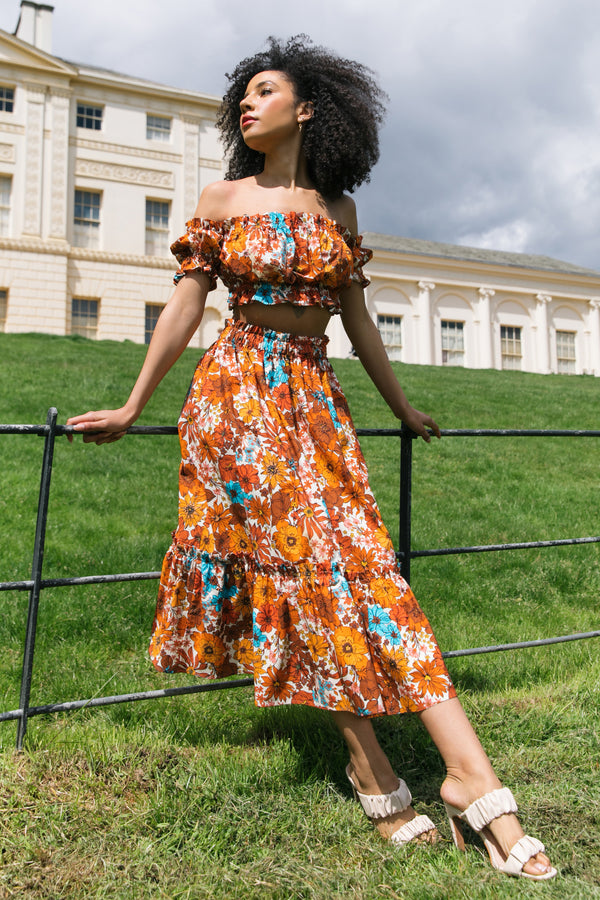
{"x": 277, "y": 685}
{"x": 354, "y": 494}
{"x": 191, "y": 510}
{"x": 314, "y": 521}
{"x": 396, "y": 664}
{"x": 249, "y": 411}
{"x": 267, "y": 617}
{"x": 210, "y": 648}
{"x": 350, "y": 647}
{"x": 290, "y": 542}
{"x": 317, "y": 646}
{"x": 239, "y": 541}
{"x": 263, "y": 590}
{"x": 360, "y": 561}
{"x": 408, "y": 613}
{"x": 385, "y": 591}
{"x": 204, "y": 540}
{"x": 431, "y": 678}
{"x": 329, "y": 470}
{"x": 228, "y": 468}
{"x": 245, "y": 654}
{"x": 221, "y": 518}
{"x": 179, "y": 595}
{"x": 247, "y": 477}
{"x": 259, "y": 511}
{"x": 407, "y": 704}
{"x": 274, "y": 470}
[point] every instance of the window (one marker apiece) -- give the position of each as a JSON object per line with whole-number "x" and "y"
{"x": 157, "y": 227}
{"x": 84, "y": 317}
{"x": 89, "y": 116}
{"x": 86, "y": 219}
{"x": 565, "y": 352}
{"x": 7, "y": 99}
{"x": 3, "y": 308}
{"x": 5, "y": 191}
{"x": 158, "y": 128}
{"x": 390, "y": 329}
{"x": 510, "y": 345}
{"x": 153, "y": 311}
{"x": 453, "y": 344}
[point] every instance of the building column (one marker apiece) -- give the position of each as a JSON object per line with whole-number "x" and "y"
{"x": 594, "y": 354}
{"x": 425, "y": 323}
{"x": 34, "y": 159}
{"x": 60, "y": 164}
{"x": 191, "y": 155}
{"x": 486, "y": 342}
{"x": 543, "y": 341}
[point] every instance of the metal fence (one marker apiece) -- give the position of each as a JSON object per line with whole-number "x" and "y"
{"x": 36, "y": 584}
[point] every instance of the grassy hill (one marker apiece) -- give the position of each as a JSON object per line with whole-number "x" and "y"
{"x": 206, "y": 796}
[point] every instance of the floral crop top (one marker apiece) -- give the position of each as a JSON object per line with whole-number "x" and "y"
{"x": 298, "y": 258}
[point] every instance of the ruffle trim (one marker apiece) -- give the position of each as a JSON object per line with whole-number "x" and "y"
{"x": 200, "y": 247}
{"x": 241, "y": 564}
{"x": 307, "y": 632}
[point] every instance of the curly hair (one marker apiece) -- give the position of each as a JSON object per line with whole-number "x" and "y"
{"x": 340, "y": 141}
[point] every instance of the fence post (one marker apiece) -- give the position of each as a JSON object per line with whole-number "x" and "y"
{"x": 406, "y": 443}
{"x": 36, "y": 573}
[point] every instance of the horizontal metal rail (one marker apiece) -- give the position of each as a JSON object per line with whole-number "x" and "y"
{"x": 51, "y": 430}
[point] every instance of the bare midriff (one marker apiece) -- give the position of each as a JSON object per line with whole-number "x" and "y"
{"x": 310, "y": 321}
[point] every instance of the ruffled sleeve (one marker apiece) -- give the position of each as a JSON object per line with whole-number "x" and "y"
{"x": 360, "y": 257}
{"x": 199, "y": 249}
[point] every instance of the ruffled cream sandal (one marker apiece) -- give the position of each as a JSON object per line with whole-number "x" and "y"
{"x": 379, "y": 806}
{"x": 479, "y": 815}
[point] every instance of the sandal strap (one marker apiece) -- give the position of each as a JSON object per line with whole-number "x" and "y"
{"x": 378, "y": 806}
{"x": 521, "y": 853}
{"x": 487, "y": 808}
{"x": 411, "y": 830}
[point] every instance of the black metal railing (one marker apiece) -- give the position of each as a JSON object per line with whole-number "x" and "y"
{"x": 36, "y": 584}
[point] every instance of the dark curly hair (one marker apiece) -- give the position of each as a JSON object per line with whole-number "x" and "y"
{"x": 340, "y": 141}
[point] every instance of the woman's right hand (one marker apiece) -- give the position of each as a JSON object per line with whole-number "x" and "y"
{"x": 101, "y": 426}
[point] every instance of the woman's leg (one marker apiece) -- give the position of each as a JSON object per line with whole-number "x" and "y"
{"x": 371, "y": 770}
{"x": 470, "y": 774}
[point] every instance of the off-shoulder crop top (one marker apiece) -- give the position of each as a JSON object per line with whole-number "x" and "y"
{"x": 299, "y": 258}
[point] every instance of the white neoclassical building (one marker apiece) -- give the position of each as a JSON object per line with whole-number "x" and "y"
{"x": 444, "y": 304}
{"x": 99, "y": 172}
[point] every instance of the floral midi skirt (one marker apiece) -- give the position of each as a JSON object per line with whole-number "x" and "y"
{"x": 281, "y": 565}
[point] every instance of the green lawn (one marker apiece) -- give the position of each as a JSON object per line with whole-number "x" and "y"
{"x": 206, "y": 796}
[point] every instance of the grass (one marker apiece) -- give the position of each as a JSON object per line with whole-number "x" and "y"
{"x": 207, "y": 796}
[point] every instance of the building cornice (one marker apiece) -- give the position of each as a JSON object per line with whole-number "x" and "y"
{"x": 412, "y": 267}
{"x": 62, "y": 248}
{"x": 126, "y": 83}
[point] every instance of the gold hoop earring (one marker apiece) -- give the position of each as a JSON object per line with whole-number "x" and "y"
{"x": 300, "y": 127}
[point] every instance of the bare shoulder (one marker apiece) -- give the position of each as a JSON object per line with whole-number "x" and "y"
{"x": 215, "y": 200}
{"x": 343, "y": 210}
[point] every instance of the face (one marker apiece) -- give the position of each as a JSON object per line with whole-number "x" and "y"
{"x": 270, "y": 110}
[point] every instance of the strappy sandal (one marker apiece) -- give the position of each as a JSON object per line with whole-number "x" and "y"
{"x": 379, "y": 806}
{"x": 479, "y": 815}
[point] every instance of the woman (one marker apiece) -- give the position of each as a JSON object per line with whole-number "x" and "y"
{"x": 280, "y": 564}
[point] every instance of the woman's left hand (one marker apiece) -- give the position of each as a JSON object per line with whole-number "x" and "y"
{"x": 419, "y": 423}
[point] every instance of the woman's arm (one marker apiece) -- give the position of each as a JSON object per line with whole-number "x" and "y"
{"x": 367, "y": 343}
{"x": 174, "y": 329}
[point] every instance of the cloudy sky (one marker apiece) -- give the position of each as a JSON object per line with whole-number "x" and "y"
{"x": 492, "y": 137}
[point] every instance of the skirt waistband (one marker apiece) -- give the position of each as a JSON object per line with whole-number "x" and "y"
{"x": 258, "y": 337}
